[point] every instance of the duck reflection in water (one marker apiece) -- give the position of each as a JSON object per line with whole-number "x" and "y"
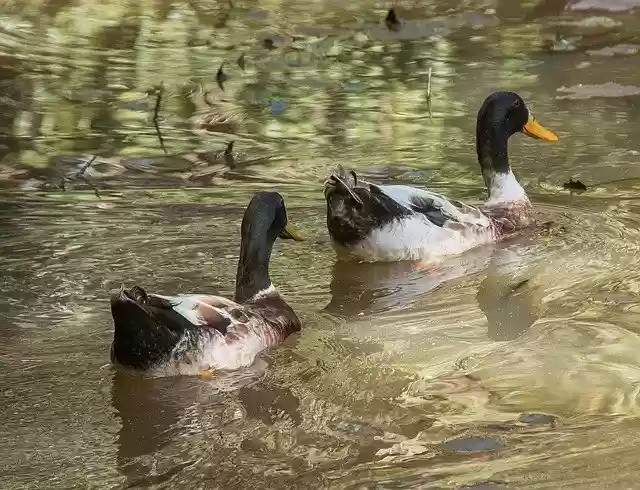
{"x": 366, "y": 289}
{"x": 157, "y": 413}
{"x": 362, "y": 289}
{"x": 150, "y": 410}
{"x": 511, "y": 301}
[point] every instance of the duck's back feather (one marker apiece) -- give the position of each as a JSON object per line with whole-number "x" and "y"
{"x": 437, "y": 208}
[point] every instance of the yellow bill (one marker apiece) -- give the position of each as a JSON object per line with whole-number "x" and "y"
{"x": 290, "y": 233}
{"x": 536, "y": 130}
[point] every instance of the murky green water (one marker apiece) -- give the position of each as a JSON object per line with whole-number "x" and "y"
{"x": 517, "y": 364}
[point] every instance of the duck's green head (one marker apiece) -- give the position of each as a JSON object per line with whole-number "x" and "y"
{"x": 505, "y": 113}
{"x": 266, "y": 219}
{"x": 502, "y": 115}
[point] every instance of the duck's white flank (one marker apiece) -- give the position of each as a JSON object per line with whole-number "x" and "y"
{"x": 505, "y": 188}
{"x": 417, "y": 238}
{"x": 213, "y": 352}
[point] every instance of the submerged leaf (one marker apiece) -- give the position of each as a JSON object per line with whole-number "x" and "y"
{"x": 221, "y": 77}
{"x": 575, "y": 185}
{"x": 392, "y": 21}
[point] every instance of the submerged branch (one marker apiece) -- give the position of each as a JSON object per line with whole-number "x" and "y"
{"x": 87, "y": 165}
{"x": 429, "y": 94}
{"x": 80, "y": 174}
{"x": 90, "y": 184}
{"x": 159, "y": 93}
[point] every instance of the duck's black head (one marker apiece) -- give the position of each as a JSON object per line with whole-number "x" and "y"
{"x": 503, "y": 114}
{"x": 265, "y": 219}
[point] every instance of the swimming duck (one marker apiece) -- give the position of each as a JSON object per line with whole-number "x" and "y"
{"x": 198, "y": 333}
{"x": 370, "y": 222}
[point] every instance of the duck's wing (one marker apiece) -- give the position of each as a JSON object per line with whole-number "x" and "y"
{"x": 147, "y": 327}
{"x": 438, "y": 209}
{"x": 249, "y": 327}
{"x": 200, "y": 310}
{"x": 269, "y": 318}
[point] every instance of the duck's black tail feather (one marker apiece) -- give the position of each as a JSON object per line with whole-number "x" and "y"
{"x": 146, "y": 329}
{"x": 353, "y": 209}
{"x": 343, "y": 182}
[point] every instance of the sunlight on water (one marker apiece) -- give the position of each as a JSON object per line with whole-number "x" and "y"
{"x": 511, "y": 366}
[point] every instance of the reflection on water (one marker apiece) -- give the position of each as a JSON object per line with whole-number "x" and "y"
{"x": 511, "y": 304}
{"x": 511, "y": 366}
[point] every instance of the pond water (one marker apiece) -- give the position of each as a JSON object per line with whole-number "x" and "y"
{"x": 511, "y": 366}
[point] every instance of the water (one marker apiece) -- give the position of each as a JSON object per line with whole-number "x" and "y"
{"x": 512, "y": 366}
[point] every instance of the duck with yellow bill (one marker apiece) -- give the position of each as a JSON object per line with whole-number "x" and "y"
{"x": 192, "y": 334}
{"x": 370, "y": 222}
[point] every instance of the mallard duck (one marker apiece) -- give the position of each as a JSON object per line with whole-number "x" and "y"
{"x": 198, "y": 333}
{"x": 370, "y": 222}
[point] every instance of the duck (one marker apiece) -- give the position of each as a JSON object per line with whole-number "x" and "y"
{"x": 199, "y": 334}
{"x": 368, "y": 222}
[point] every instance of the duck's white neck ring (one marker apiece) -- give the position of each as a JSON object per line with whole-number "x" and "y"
{"x": 263, "y": 293}
{"x": 503, "y": 187}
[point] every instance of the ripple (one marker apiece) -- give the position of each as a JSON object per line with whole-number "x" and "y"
{"x": 472, "y": 444}
{"x": 537, "y": 419}
{"x": 609, "y": 89}
{"x": 487, "y": 485}
{"x": 515, "y": 363}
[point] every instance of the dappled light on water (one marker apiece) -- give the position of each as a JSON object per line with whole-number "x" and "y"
{"x": 132, "y": 136}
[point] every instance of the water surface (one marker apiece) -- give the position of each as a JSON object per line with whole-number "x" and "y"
{"x": 511, "y": 366}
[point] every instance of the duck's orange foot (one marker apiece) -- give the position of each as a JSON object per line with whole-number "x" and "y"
{"x": 207, "y": 373}
{"x": 423, "y": 266}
